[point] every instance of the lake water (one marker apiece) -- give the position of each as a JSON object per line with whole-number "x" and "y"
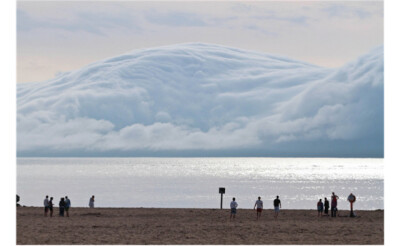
{"x": 194, "y": 182}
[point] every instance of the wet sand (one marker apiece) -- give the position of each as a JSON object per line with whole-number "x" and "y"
{"x": 196, "y": 226}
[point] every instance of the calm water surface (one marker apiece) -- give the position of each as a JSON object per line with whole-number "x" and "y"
{"x": 194, "y": 182}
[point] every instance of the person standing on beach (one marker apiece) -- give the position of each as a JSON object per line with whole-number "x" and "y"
{"x": 277, "y": 206}
{"x": 91, "y": 202}
{"x": 51, "y": 206}
{"x": 234, "y": 205}
{"x": 326, "y": 205}
{"x": 334, "y": 199}
{"x": 67, "y": 205}
{"x": 46, "y": 206}
{"x": 61, "y": 205}
{"x": 320, "y": 207}
{"x": 259, "y": 205}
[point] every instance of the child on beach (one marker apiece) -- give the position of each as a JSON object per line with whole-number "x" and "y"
{"x": 234, "y": 205}
{"x": 259, "y": 205}
{"x": 320, "y": 207}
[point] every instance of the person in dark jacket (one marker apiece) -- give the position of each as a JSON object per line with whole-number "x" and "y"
{"x": 51, "y": 206}
{"x": 62, "y": 206}
{"x": 326, "y": 207}
{"x": 334, "y": 199}
{"x": 277, "y": 206}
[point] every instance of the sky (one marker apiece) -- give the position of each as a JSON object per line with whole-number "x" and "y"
{"x": 56, "y": 36}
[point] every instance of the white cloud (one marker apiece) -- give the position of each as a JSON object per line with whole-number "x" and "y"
{"x": 155, "y": 100}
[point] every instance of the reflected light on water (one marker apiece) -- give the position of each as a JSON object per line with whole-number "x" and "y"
{"x": 193, "y": 182}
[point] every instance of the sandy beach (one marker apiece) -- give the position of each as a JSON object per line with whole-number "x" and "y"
{"x": 195, "y": 226}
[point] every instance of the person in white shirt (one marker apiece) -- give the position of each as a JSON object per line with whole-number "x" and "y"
{"x": 46, "y": 205}
{"x": 259, "y": 205}
{"x": 233, "y": 208}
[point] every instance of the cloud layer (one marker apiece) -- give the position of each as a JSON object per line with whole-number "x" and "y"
{"x": 62, "y": 36}
{"x": 200, "y": 99}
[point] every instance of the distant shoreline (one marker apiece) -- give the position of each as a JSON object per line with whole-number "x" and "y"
{"x": 266, "y": 209}
{"x": 216, "y": 156}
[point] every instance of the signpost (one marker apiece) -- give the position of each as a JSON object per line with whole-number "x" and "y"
{"x": 222, "y": 192}
{"x": 351, "y": 198}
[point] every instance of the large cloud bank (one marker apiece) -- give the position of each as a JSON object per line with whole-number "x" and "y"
{"x": 205, "y": 100}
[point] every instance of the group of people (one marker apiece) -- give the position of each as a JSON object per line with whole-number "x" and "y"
{"x": 259, "y": 206}
{"x": 64, "y": 206}
{"x": 324, "y": 206}
{"x": 321, "y": 206}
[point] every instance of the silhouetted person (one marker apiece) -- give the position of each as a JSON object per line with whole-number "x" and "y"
{"x": 233, "y": 208}
{"x": 46, "y": 205}
{"x": 67, "y": 205}
{"x": 51, "y": 206}
{"x": 326, "y": 205}
{"x": 259, "y": 205}
{"x": 320, "y": 207}
{"x": 61, "y": 205}
{"x": 91, "y": 202}
{"x": 334, "y": 199}
{"x": 277, "y": 206}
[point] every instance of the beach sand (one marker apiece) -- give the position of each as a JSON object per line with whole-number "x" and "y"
{"x": 195, "y": 226}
